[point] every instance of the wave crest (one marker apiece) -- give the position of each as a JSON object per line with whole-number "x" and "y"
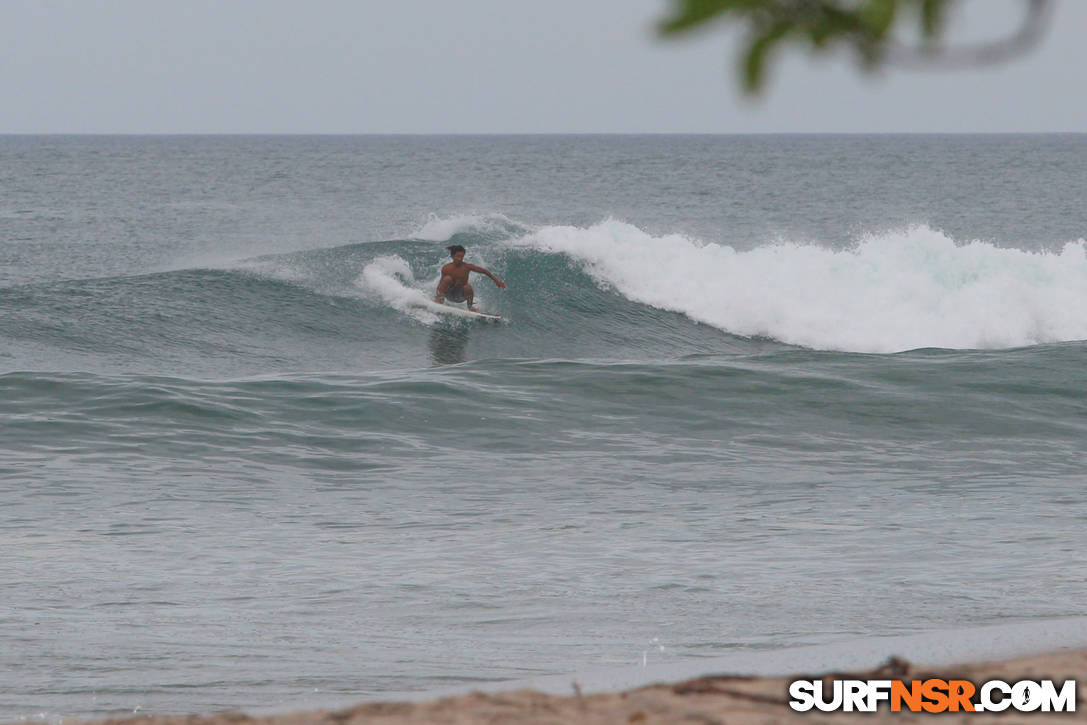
{"x": 890, "y": 292}
{"x": 482, "y": 227}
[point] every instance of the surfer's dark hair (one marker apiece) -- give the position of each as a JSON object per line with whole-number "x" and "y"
{"x": 454, "y": 248}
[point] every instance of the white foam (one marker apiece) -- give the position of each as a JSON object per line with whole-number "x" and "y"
{"x": 391, "y": 280}
{"x": 890, "y": 292}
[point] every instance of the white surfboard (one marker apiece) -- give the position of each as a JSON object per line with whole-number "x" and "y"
{"x": 459, "y": 311}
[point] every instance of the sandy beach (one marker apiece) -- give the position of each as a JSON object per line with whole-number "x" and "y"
{"x": 712, "y": 699}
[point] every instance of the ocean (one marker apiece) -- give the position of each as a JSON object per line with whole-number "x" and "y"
{"x": 749, "y": 393}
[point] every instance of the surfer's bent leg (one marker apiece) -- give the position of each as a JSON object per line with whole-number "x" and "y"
{"x": 443, "y": 287}
{"x": 469, "y": 296}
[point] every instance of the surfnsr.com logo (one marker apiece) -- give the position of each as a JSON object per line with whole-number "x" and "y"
{"x": 932, "y": 695}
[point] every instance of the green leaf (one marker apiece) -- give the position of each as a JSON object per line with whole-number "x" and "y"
{"x": 692, "y": 13}
{"x": 755, "y": 58}
{"x": 863, "y": 26}
{"x": 932, "y": 16}
{"x": 877, "y": 16}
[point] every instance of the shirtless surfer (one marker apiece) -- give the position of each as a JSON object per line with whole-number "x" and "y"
{"x": 454, "y": 284}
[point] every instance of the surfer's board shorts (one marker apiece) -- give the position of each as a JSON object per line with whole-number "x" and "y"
{"x": 456, "y": 294}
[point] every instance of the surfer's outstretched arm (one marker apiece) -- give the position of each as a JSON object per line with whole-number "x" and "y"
{"x": 481, "y": 270}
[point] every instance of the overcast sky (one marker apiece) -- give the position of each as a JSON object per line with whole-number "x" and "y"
{"x": 487, "y": 66}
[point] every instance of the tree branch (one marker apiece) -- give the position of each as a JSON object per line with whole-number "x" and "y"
{"x": 1032, "y": 30}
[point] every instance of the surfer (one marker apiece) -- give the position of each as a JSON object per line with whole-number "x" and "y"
{"x": 454, "y": 283}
